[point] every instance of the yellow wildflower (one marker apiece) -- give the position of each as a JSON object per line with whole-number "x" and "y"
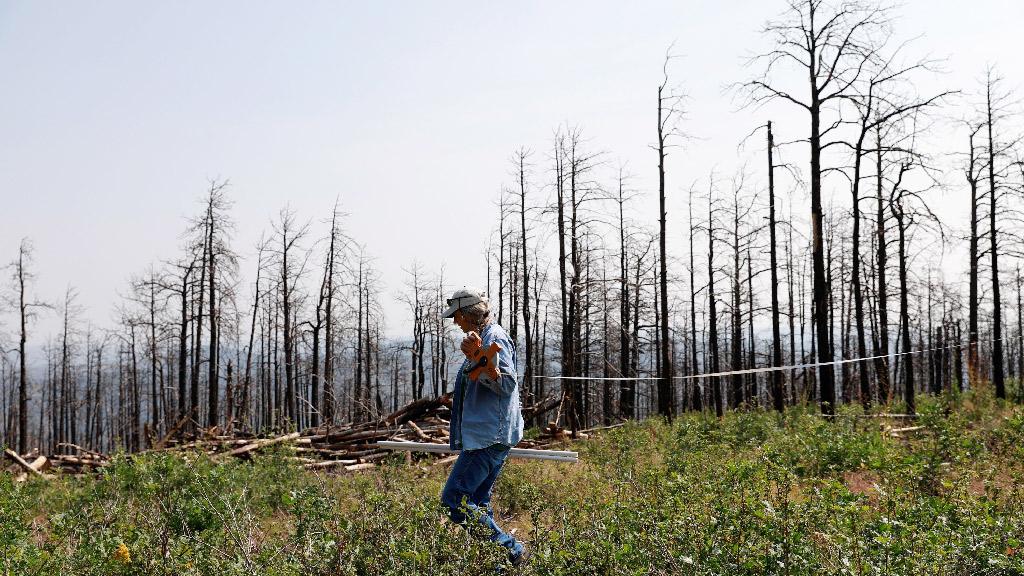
{"x": 121, "y": 554}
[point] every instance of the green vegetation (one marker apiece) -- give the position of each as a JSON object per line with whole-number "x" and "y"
{"x": 754, "y": 494}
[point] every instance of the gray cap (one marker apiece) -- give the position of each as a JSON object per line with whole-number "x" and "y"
{"x": 463, "y": 298}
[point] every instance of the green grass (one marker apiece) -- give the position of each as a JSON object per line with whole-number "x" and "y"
{"x": 755, "y": 493}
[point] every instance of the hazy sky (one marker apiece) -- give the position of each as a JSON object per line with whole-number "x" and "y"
{"x": 115, "y": 115}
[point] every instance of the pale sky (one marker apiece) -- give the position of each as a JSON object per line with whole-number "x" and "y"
{"x": 115, "y": 115}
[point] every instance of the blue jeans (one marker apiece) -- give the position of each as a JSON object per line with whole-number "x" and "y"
{"x": 467, "y": 494}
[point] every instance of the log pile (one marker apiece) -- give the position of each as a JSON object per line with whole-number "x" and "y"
{"x": 346, "y": 447}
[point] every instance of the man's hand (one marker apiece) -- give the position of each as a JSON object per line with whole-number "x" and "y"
{"x": 471, "y": 343}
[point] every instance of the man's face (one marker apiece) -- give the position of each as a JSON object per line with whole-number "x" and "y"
{"x": 462, "y": 322}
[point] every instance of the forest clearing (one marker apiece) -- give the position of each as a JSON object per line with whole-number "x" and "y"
{"x": 753, "y": 493}
{"x": 688, "y": 289}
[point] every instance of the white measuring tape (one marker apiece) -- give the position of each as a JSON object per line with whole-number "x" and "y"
{"x": 757, "y": 370}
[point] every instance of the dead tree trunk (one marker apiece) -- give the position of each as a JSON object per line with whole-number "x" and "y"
{"x": 213, "y": 374}
{"x": 22, "y": 275}
{"x": 666, "y": 111}
{"x": 197, "y": 334}
{"x": 698, "y": 396}
{"x": 778, "y": 397}
{"x": 881, "y": 255}
{"x": 520, "y": 158}
{"x": 242, "y": 414}
{"x": 973, "y": 258}
{"x": 713, "y": 315}
{"x": 832, "y": 44}
{"x": 896, "y": 204}
{"x": 998, "y": 378}
{"x": 736, "y": 398}
{"x": 627, "y": 388}
{"x": 289, "y": 274}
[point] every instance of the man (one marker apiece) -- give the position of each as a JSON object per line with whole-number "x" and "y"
{"x": 486, "y": 421}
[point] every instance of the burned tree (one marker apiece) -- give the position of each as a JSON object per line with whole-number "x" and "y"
{"x": 878, "y": 102}
{"x": 716, "y": 382}
{"x": 973, "y": 174}
{"x": 778, "y": 396}
{"x": 698, "y": 397}
{"x": 627, "y": 387}
{"x": 242, "y": 413}
{"x": 22, "y": 278}
{"x": 669, "y": 112}
{"x": 574, "y": 188}
{"x": 322, "y": 381}
{"x": 520, "y": 160}
{"x": 832, "y": 44}
{"x": 996, "y": 102}
{"x": 290, "y": 260}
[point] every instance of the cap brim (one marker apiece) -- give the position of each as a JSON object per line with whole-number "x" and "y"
{"x": 450, "y": 311}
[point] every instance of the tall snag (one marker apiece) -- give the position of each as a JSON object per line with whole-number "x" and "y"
{"x": 831, "y": 45}
{"x": 778, "y": 396}
{"x": 668, "y": 113}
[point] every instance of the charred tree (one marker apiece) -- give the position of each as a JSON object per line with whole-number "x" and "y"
{"x": 668, "y": 112}
{"x": 778, "y": 395}
{"x": 831, "y": 44}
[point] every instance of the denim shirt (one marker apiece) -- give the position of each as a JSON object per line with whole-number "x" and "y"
{"x": 481, "y": 416}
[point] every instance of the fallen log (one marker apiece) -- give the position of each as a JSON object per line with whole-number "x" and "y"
{"x": 328, "y": 464}
{"x": 366, "y": 435}
{"x": 539, "y": 408}
{"x": 76, "y": 461}
{"x": 262, "y": 444}
{"x": 374, "y": 457}
{"x": 599, "y": 428}
{"x": 417, "y": 408}
{"x": 327, "y": 447}
{"x": 419, "y": 432}
{"x": 21, "y": 462}
{"x": 357, "y": 467}
{"x": 82, "y": 450}
{"x": 41, "y": 463}
{"x": 174, "y": 430}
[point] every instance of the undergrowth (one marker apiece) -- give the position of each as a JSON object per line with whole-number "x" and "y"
{"x": 753, "y": 493}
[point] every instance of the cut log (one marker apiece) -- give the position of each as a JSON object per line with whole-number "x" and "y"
{"x": 416, "y": 408}
{"x": 357, "y": 467}
{"x": 68, "y": 460}
{"x": 419, "y": 433}
{"x": 543, "y": 407}
{"x": 373, "y": 457}
{"x": 41, "y": 463}
{"x": 82, "y": 450}
{"x": 328, "y": 464}
{"x": 174, "y": 430}
{"x": 263, "y": 444}
{"x": 329, "y": 446}
{"x": 599, "y": 428}
{"x": 21, "y": 462}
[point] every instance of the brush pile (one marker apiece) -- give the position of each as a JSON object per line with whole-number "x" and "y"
{"x": 341, "y": 447}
